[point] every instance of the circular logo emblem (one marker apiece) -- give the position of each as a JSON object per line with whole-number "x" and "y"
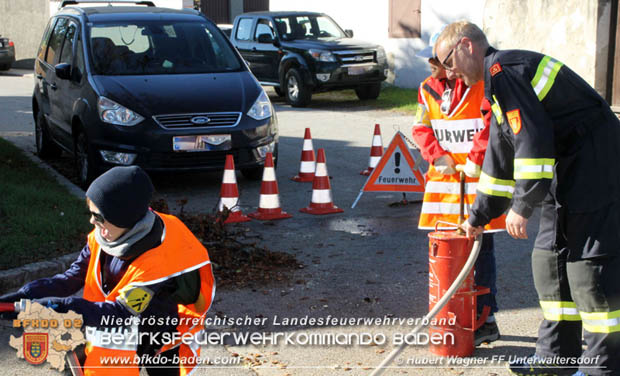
{"x": 200, "y": 120}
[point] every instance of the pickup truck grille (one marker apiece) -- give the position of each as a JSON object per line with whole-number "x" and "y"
{"x": 209, "y": 119}
{"x": 353, "y": 57}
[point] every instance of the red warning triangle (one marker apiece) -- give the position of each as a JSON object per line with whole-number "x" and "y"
{"x": 396, "y": 171}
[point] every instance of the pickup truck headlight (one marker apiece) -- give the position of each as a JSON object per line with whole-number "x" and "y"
{"x": 380, "y": 54}
{"x": 261, "y": 109}
{"x": 321, "y": 55}
{"x": 113, "y": 113}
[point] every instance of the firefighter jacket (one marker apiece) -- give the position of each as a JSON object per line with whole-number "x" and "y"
{"x": 180, "y": 252}
{"x": 541, "y": 139}
{"x": 455, "y": 128}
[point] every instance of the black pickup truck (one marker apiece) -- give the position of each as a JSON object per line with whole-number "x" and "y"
{"x": 299, "y": 53}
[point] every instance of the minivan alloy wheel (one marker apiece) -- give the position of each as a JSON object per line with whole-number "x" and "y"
{"x": 46, "y": 148}
{"x": 85, "y": 164}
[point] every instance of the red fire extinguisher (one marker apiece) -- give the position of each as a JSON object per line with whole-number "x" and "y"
{"x": 454, "y": 326}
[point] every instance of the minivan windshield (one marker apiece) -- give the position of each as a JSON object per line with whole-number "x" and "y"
{"x": 308, "y": 27}
{"x": 159, "y": 47}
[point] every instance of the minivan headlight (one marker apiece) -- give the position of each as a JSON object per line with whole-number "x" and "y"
{"x": 261, "y": 109}
{"x": 113, "y": 113}
{"x": 321, "y": 55}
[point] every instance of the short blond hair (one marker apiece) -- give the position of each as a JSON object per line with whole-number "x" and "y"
{"x": 459, "y": 29}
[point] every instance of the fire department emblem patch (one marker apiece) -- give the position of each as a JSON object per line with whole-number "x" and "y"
{"x": 35, "y": 347}
{"x": 514, "y": 119}
{"x": 495, "y": 69}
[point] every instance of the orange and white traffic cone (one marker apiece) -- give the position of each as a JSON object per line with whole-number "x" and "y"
{"x": 229, "y": 194}
{"x": 269, "y": 203}
{"x": 307, "y": 165}
{"x": 321, "y": 190}
{"x": 376, "y": 151}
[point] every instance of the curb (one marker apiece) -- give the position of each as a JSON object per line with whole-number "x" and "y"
{"x": 12, "y": 279}
{"x": 17, "y": 72}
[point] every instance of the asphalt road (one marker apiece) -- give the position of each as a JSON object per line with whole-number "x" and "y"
{"x": 368, "y": 262}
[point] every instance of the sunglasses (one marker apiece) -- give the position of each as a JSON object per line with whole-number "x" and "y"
{"x": 444, "y": 63}
{"x": 98, "y": 217}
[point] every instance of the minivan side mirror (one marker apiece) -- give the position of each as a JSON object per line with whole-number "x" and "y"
{"x": 265, "y": 38}
{"x": 349, "y": 33}
{"x": 63, "y": 71}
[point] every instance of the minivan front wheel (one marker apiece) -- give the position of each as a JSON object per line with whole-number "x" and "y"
{"x": 86, "y": 164}
{"x": 46, "y": 148}
{"x": 298, "y": 94}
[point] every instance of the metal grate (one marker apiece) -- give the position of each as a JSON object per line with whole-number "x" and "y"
{"x": 203, "y": 120}
{"x": 352, "y": 57}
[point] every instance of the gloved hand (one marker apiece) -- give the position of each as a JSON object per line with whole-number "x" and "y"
{"x": 13, "y": 297}
{"x": 444, "y": 165}
{"x": 57, "y": 304}
{"x": 471, "y": 169}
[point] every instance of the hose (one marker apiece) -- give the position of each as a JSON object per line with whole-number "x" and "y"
{"x": 473, "y": 256}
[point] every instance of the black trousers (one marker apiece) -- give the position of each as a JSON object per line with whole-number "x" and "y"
{"x": 577, "y": 278}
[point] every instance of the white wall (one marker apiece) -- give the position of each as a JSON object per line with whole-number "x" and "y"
{"x": 369, "y": 20}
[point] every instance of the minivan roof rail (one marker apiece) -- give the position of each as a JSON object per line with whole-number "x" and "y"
{"x": 109, "y": 2}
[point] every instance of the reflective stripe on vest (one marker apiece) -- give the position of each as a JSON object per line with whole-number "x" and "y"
{"x": 545, "y": 76}
{"x": 456, "y": 136}
{"x": 601, "y": 322}
{"x": 533, "y": 168}
{"x": 495, "y": 187}
{"x": 560, "y": 311}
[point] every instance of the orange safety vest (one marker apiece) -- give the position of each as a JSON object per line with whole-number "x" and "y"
{"x": 455, "y": 133}
{"x": 180, "y": 252}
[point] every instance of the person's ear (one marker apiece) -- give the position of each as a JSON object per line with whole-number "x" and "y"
{"x": 468, "y": 45}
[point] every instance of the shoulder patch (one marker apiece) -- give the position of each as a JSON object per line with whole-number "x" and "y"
{"x": 135, "y": 299}
{"x": 514, "y": 119}
{"x": 495, "y": 69}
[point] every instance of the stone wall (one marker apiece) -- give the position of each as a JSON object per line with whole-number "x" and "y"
{"x": 576, "y": 32}
{"x": 23, "y": 22}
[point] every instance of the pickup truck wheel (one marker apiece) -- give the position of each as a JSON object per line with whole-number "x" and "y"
{"x": 46, "y": 148}
{"x": 86, "y": 164}
{"x": 370, "y": 91}
{"x": 278, "y": 91}
{"x": 297, "y": 92}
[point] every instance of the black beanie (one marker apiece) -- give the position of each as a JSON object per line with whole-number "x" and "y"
{"x": 122, "y": 194}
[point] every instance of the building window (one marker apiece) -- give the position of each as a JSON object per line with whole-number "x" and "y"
{"x": 404, "y": 19}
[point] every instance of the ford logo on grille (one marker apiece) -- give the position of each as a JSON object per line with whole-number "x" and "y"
{"x": 200, "y": 120}
{"x": 359, "y": 58}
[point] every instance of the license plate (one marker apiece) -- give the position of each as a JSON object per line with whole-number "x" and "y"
{"x": 354, "y": 71}
{"x": 201, "y": 142}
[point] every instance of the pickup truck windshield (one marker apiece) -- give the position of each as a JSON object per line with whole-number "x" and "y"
{"x": 159, "y": 47}
{"x": 308, "y": 27}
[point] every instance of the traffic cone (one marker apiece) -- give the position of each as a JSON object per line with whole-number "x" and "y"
{"x": 269, "y": 203}
{"x": 229, "y": 194}
{"x": 376, "y": 151}
{"x": 307, "y": 165}
{"x": 321, "y": 190}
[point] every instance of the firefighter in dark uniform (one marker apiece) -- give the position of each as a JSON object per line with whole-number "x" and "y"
{"x": 553, "y": 141}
